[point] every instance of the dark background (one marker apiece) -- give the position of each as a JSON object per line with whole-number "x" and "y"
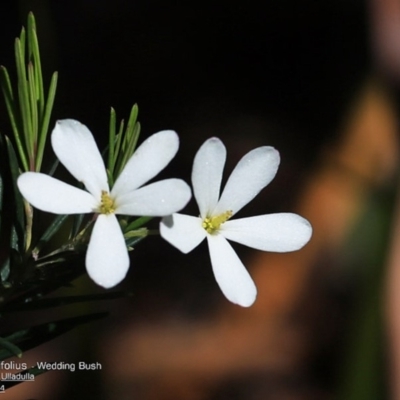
{"x": 295, "y": 64}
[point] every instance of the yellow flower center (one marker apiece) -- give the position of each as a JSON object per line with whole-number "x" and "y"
{"x": 212, "y": 224}
{"x": 107, "y": 205}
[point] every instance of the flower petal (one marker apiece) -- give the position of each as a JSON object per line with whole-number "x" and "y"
{"x": 207, "y": 172}
{"x": 274, "y": 232}
{"x": 230, "y": 274}
{"x": 76, "y": 148}
{"x": 182, "y": 231}
{"x": 149, "y": 159}
{"x": 252, "y": 173}
{"x": 107, "y": 260}
{"x": 51, "y": 195}
{"x": 158, "y": 199}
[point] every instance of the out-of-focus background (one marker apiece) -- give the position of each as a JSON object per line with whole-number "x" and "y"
{"x": 318, "y": 80}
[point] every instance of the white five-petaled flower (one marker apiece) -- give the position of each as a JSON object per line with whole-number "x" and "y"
{"x": 274, "y": 232}
{"x": 107, "y": 259}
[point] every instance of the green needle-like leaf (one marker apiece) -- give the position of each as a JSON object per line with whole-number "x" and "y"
{"x": 141, "y": 232}
{"x": 49, "y": 233}
{"x": 130, "y": 242}
{"x": 137, "y": 223}
{"x": 118, "y": 148}
{"x": 110, "y": 178}
{"x": 76, "y": 225}
{"x": 22, "y": 39}
{"x": 34, "y": 54}
{"x": 130, "y": 127}
{"x": 24, "y": 100}
{"x": 126, "y": 142}
{"x": 46, "y": 120}
{"x": 111, "y": 140}
{"x": 31, "y": 27}
{"x": 13, "y": 114}
{"x": 33, "y": 104}
{"x": 28, "y": 111}
{"x": 19, "y": 224}
{"x": 134, "y": 137}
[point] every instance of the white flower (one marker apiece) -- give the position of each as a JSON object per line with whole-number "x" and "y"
{"x": 274, "y": 232}
{"x": 107, "y": 260}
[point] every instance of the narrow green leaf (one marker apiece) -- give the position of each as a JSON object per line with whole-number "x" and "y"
{"x": 76, "y": 225}
{"x": 130, "y": 242}
{"x": 132, "y": 122}
{"x": 110, "y": 178}
{"x": 19, "y": 225}
{"x": 141, "y": 232}
{"x": 6, "y": 84}
{"x": 46, "y": 120}
{"x": 137, "y": 223}
{"x": 34, "y": 56}
{"x": 13, "y": 114}
{"x": 31, "y": 21}
{"x": 130, "y": 127}
{"x": 49, "y": 233}
{"x": 118, "y": 149}
{"x": 23, "y": 95}
{"x": 38, "y": 74}
{"x": 133, "y": 142}
{"x": 30, "y": 27}
{"x": 129, "y": 140}
{"x": 33, "y": 105}
{"x": 22, "y": 39}
{"x": 131, "y": 145}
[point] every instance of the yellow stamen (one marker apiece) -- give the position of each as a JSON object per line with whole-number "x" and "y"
{"x": 212, "y": 224}
{"x": 107, "y": 205}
